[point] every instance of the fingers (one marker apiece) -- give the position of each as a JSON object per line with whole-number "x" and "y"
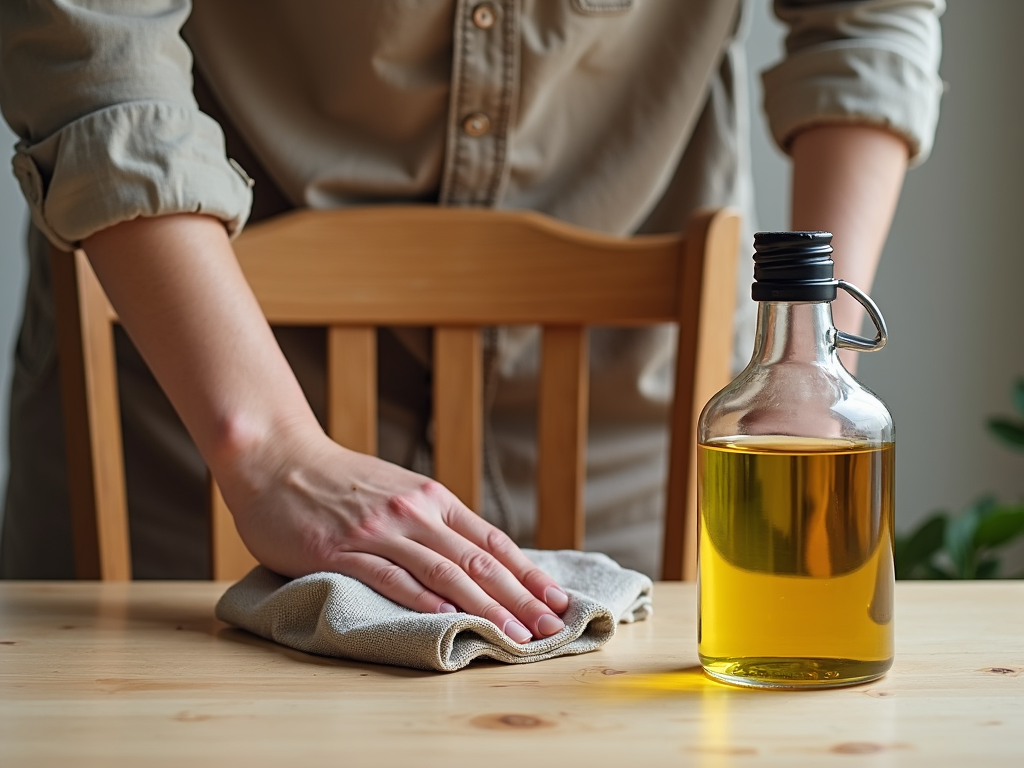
{"x": 402, "y": 586}
{"x": 464, "y": 588}
{"x": 491, "y": 576}
{"x": 392, "y": 581}
{"x": 495, "y": 541}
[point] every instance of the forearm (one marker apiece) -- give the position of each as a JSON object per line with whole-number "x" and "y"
{"x": 847, "y": 180}
{"x": 181, "y": 296}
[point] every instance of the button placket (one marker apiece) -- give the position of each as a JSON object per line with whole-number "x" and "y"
{"x": 485, "y": 71}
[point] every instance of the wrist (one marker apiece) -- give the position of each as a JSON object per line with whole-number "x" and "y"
{"x": 250, "y": 453}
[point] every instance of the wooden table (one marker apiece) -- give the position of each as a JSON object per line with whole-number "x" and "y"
{"x": 142, "y": 674}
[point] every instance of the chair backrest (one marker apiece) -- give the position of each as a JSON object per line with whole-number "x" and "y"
{"x": 456, "y": 270}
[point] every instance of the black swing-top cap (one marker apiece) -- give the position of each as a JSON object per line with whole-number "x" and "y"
{"x": 793, "y": 266}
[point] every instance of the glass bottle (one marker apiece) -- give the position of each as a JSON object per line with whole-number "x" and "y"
{"x": 796, "y": 463}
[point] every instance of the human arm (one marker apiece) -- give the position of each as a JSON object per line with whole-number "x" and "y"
{"x": 855, "y": 102}
{"x": 115, "y": 156}
{"x": 846, "y": 180}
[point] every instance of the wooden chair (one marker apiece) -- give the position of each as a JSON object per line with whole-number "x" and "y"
{"x": 456, "y": 270}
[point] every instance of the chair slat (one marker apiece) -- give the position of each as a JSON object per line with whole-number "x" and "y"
{"x": 88, "y": 372}
{"x": 562, "y": 437}
{"x": 229, "y": 557}
{"x": 352, "y": 387}
{"x": 458, "y": 412}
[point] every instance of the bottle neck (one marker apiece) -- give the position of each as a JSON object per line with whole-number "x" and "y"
{"x": 800, "y": 332}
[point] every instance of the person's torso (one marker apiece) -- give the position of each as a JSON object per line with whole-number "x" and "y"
{"x": 613, "y": 115}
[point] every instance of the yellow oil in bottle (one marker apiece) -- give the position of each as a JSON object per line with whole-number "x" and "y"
{"x": 796, "y": 569}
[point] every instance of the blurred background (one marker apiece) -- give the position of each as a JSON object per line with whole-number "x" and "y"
{"x": 950, "y": 284}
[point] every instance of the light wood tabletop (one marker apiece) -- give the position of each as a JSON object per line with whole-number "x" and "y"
{"x": 141, "y": 674}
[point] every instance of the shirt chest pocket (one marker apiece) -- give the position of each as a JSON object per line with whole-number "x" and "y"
{"x": 601, "y": 7}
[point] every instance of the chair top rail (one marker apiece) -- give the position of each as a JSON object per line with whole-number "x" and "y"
{"x": 427, "y": 265}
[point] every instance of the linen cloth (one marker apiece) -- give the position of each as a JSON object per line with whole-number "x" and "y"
{"x": 622, "y": 116}
{"x": 334, "y": 615}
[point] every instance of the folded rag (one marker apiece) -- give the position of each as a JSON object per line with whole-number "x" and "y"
{"x": 333, "y": 615}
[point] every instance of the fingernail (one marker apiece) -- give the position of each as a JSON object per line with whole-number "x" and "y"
{"x": 549, "y": 625}
{"x": 556, "y": 599}
{"x": 517, "y": 631}
{"x": 447, "y": 608}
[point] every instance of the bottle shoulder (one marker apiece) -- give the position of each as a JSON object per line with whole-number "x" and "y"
{"x": 805, "y": 400}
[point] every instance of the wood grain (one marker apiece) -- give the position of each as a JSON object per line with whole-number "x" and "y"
{"x": 230, "y": 559}
{"x": 424, "y": 266}
{"x": 142, "y": 674}
{"x": 459, "y": 412}
{"x": 352, "y": 387}
{"x": 562, "y": 438}
{"x": 85, "y": 343}
{"x": 707, "y": 287}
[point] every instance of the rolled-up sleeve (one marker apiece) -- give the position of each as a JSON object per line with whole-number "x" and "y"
{"x": 863, "y": 61}
{"x": 100, "y": 94}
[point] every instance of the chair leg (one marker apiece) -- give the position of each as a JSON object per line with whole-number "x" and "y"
{"x": 702, "y": 368}
{"x": 85, "y": 343}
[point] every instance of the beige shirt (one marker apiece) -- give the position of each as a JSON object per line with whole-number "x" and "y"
{"x": 617, "y": 115}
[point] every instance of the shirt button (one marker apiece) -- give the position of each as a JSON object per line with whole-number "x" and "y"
{"x": 484, "y": 16}
{"x": 476, "y": 124}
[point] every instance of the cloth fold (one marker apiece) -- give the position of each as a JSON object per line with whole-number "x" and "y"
{"x": 333, "y": 615}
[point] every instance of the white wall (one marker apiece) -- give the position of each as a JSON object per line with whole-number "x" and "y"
{"x": 952, "y": 277}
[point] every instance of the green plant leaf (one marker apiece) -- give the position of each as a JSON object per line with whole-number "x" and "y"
{"x": 987, "y": 569}
{"x": 919, "y": 546}
{"x": 985, "y": 506}
{"x": 1010, "y": 432}
{"x": 1018, "y": 396}
{"x": 1001, "y": 526}
{"x": 959, "y": 538}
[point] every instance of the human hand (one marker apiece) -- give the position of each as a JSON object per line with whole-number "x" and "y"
{"x": 315, "y": 506}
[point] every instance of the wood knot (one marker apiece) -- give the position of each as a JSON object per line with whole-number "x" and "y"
{"x": 7, "y": 642}
{"x": 1002, "y": 671}
{"x": 510, "y": 722}
{"x": 191, "y": 717}
{"x": 590, "y": 674}
{"x": 857, "y": 748}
